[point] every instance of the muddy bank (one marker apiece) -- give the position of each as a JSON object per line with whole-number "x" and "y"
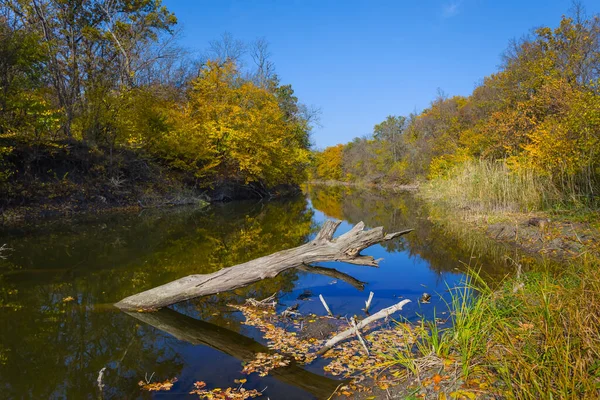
{"x": 563, "y": 239}
{"x": 558, "y": 238}
{"x": 135, "y": 201}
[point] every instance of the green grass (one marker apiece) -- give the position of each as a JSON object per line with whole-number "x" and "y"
{"x": 536, "y": 337}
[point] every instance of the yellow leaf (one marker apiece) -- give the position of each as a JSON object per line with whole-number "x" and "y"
{"x": 462, "y": 394}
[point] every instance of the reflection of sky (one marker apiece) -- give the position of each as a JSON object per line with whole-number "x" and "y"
{"x": 399, "y": 276}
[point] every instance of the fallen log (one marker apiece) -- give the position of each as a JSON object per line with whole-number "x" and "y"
{"x": 324, "y": 247}
{"x": 348, "y": 333}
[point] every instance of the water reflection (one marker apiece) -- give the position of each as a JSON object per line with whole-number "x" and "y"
{"x": 52, "y": 346}
{"x": 446, "y": 248}
{"x": 58, "y": 284}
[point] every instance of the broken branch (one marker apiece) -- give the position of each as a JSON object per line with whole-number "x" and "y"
{"x": 340, "y": 337}
{"x": 325, "y": 305}
{"x": 358, "y": 335}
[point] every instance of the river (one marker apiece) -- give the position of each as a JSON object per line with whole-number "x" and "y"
{"x": 61, "y": 277}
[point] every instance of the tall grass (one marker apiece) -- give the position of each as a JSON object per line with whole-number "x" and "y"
{"x": 538, "y": 337}
{"x": 492, "y": 186}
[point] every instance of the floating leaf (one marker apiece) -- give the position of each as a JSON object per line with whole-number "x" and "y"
{"x": 157, "y": 386}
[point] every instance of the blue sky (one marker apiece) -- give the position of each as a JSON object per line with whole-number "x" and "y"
{"x": 360, "y": 61}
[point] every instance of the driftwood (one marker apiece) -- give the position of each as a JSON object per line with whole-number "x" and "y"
{"x": 325, "y": 305}
{"x": 243, "y": 348}
{"x": 324, "y": 247}
{"x": 358, "y": 335}
{"x": 368, "y": 303}
{"x": 348, "y": 333}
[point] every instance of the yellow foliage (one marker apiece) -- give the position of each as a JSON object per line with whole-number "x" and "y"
{"x": 328, "y": 163}
{"x": 228, "y": 128}
{"x": 241, "y": 130}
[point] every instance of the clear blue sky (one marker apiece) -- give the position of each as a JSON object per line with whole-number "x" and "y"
{"x": 360, "y": 61}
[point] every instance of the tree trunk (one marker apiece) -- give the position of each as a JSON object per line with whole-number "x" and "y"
{"x": 324, "y": 247}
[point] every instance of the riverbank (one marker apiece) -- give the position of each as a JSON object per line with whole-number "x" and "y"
{"x": 531, "y": 211}
{"x": 531, "y": 337}
{"x": 558, "y": 234}
{"x": 57, "y": 179}
{"x": 395, "y": 187}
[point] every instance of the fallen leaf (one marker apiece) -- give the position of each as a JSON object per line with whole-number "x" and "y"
{"x": 157, "y": 386}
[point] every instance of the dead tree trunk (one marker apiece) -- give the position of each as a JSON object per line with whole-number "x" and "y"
{"x": 324, "y": 247}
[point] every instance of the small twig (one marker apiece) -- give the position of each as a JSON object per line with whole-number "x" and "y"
{"x": 290, "y": 311}
{"x": 338, "y": 386}
{"x": 325, "y": 305}
{"x": 576, "y": 235}
{"x": 4, "y": 248}
{"x": 267, "y": 302}
{"x": 368, "y": 302}
{"x": 146, "y": 377}
{"x": 270, "y": 298}
{"x": 99, "y": 380}
{"x": 358, "y": 335}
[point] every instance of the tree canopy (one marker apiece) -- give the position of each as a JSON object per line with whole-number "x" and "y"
{"x": 540, "y": 112}
{"x": 109, "y": 74}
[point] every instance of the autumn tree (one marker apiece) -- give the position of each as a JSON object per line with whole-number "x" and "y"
{"x": 23, "y": 107}
{"x": 84, "y": 40}
{"x": 391, "y": 130}
{"x": 328, "y": 163}
{"x": 538, "y": 113}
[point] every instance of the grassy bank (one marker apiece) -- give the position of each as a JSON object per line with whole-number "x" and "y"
{"x": 395, "y": 187}
{"x": 534, "y": 335}
{"x": 493, "y": 187}
{"x": 526, "y": 209}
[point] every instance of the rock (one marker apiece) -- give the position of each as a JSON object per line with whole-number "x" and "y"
{"x": 425, "y": 298}
{"x": 540, "y": 222}
{"x": 307, "y": 294}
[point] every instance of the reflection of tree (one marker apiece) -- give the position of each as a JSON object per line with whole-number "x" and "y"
{"x": 445, "y": 247}
{"x": 57, "y": 349}
{"x": 241, "y": 347}
{"x": 51, "y": 348}
{"x": 328, "y": 199}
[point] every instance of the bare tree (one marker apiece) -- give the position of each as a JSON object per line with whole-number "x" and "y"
{"x": 227, "y": 48}
{"x": 265, "y": 68}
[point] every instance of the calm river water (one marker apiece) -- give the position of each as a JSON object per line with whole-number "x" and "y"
{"x": 59, "y": 281}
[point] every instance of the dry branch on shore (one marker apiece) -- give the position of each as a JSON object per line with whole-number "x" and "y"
{"x": 348, "y": 333}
